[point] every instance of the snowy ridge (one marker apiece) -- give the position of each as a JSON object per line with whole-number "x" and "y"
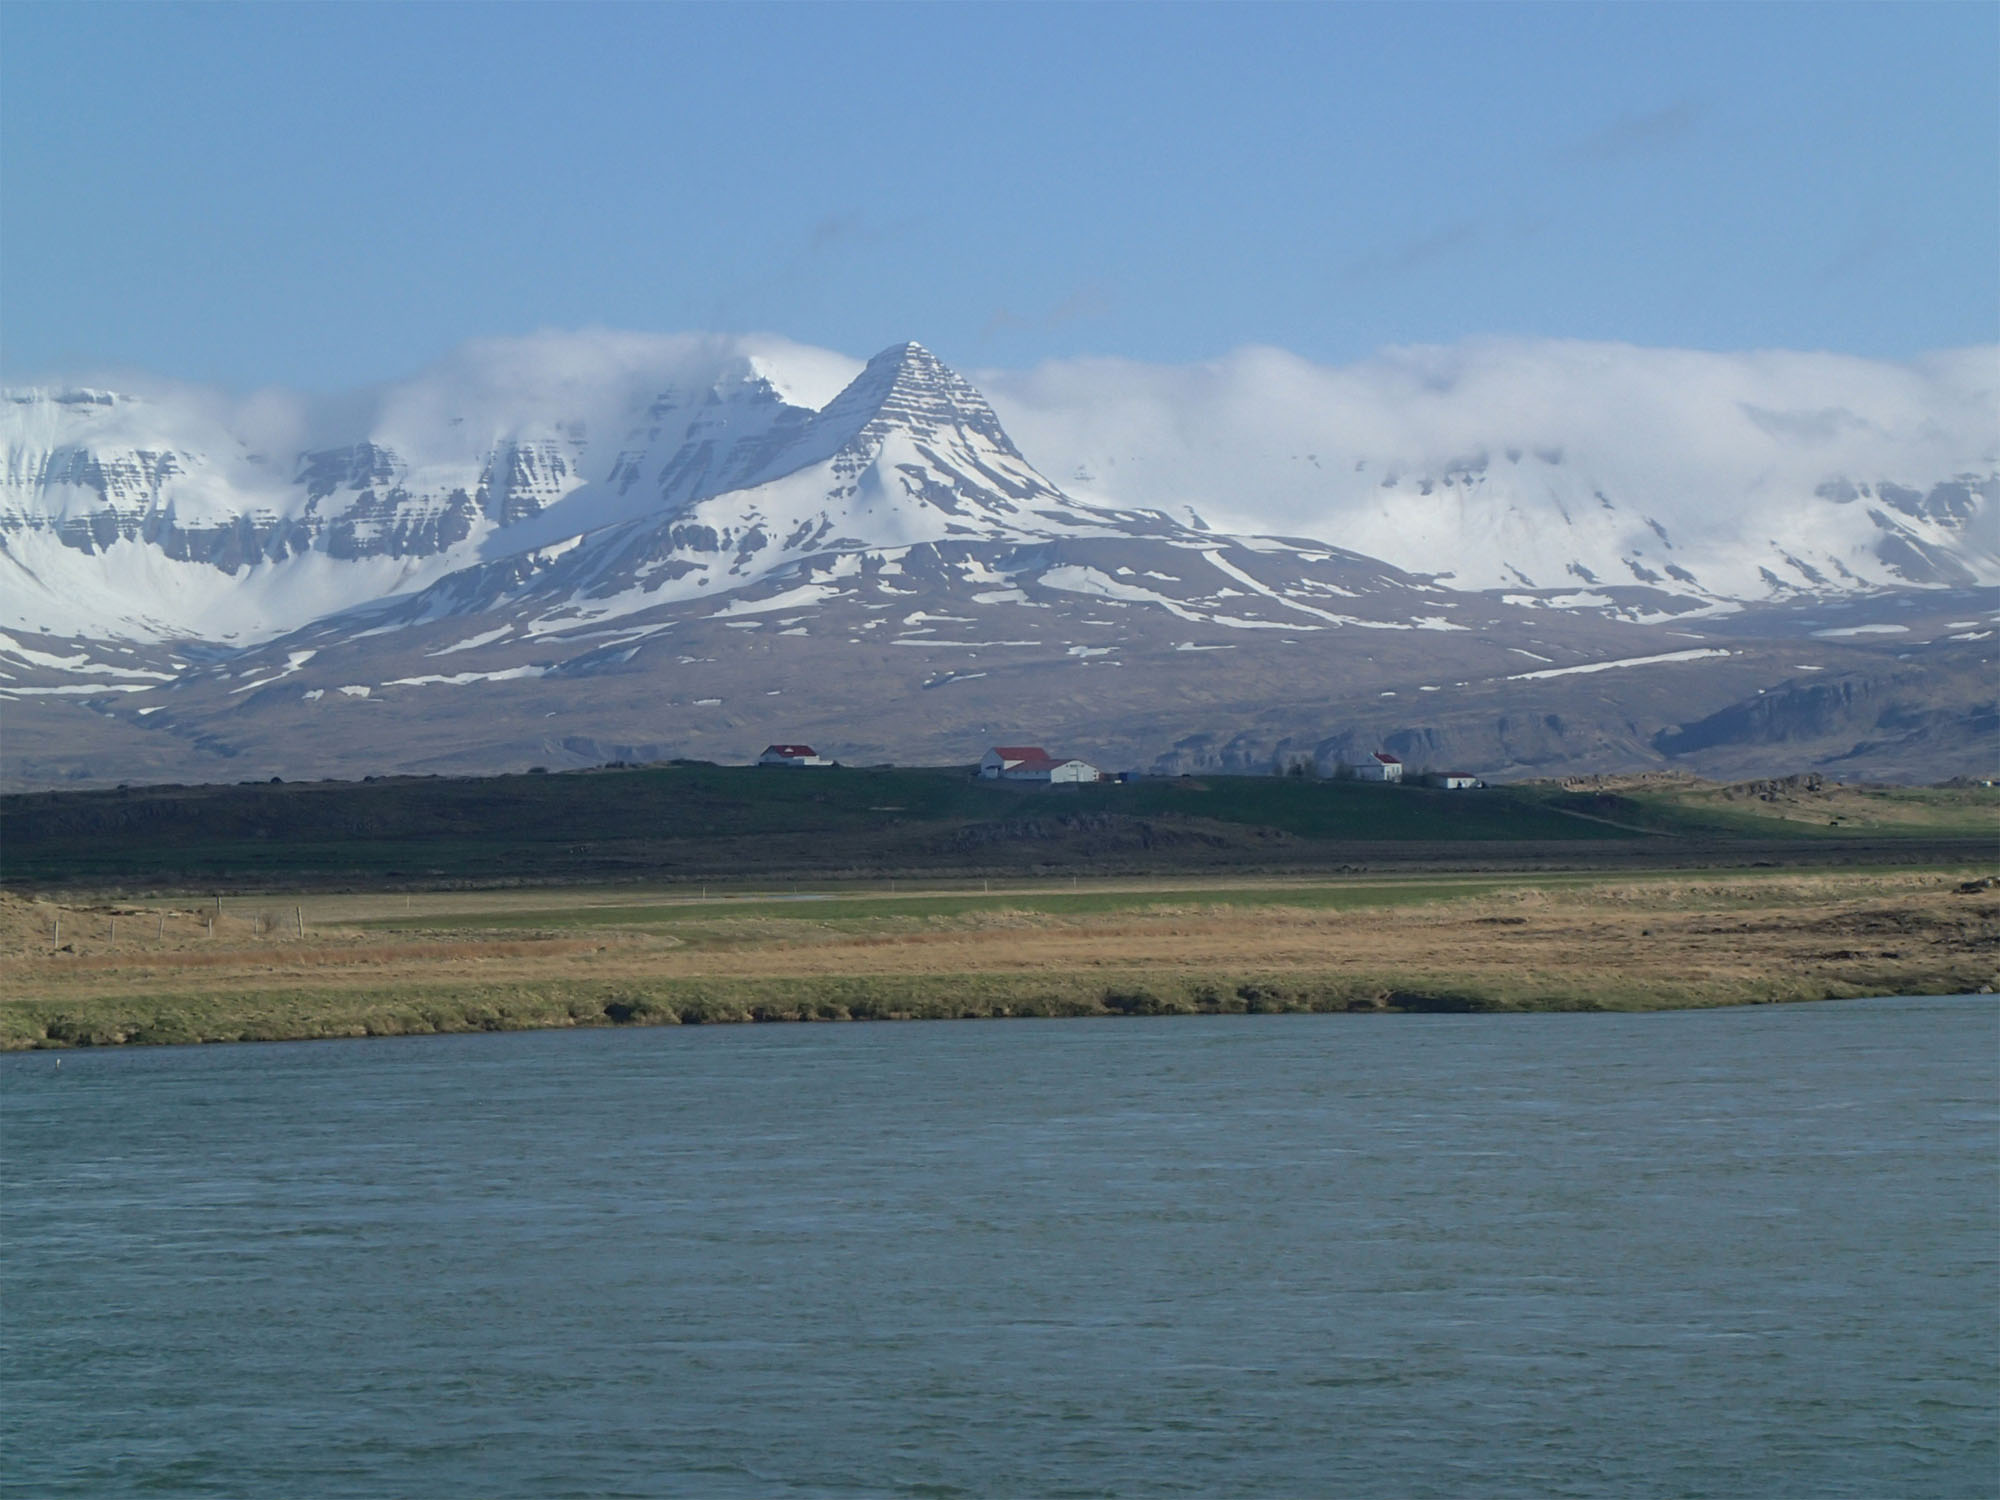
{"x": 173, "y": 513}
{"x": 579, "y": 479}
{"x": 908, "y": 456}
{"x": 715, "y": 480}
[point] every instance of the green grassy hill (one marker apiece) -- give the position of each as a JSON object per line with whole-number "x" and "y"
{"x": 689, "y": 821}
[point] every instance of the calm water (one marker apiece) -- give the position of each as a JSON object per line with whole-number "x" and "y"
{"x": 1734, "y": 1253}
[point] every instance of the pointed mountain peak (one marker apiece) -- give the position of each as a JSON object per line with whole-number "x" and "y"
{"x": 907, "y": 399}
{"x": 909, "y": 355}
{"x": 905, "y": 365}
{"x": 908, "y": 387}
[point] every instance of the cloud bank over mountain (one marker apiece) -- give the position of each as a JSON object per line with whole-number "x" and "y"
{"x": 1494, "y": 464}
{"x": 1522, "y": 445}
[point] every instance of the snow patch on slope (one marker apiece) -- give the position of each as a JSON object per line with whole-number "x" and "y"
{"x": 1697, "y": 654}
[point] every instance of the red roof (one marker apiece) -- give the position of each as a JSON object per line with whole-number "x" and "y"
{"x": 789, "y": 750}
{"x": 1386, "y": 758}
{"x": 1019, "y": 752}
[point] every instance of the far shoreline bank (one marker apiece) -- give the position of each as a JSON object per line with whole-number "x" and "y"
{"x": 185, "y": 1021}
{"x": 118, "y": 975}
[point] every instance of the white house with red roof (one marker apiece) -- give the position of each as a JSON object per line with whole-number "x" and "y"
{"x": 792, "y": 755}
{"x": 1379, "y": 766}
{"x": 1033, "y": 763}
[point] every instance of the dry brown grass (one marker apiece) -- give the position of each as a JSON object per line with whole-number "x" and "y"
{"x": 1687, "y": 938}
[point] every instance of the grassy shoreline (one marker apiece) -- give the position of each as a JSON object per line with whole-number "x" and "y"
{"x": 367, "y": 966}
{"x": 290, "y": 1015}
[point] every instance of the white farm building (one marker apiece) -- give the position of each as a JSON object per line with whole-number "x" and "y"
{"x": 792, "y": 755}
{"x": 1033, "y": 763}
{"x": 1379, "y": 766}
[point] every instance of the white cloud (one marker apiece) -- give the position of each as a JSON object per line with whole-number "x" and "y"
{"x": 1723, "y": 451}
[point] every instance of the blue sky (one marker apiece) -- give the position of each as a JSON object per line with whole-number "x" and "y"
{"x": 322, "y": 196}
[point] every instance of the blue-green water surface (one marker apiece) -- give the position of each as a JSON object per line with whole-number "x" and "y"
{"x": 1724, "y": 1253}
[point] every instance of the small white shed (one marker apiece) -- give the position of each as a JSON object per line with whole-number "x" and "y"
{"x": 1072, "y": 772}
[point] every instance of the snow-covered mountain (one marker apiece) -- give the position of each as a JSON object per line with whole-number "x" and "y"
{"x": 652, "y": 541}
{"x": 171, "y": 514}
{"x": 1560, "y": 468}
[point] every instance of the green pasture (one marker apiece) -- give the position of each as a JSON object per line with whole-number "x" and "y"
{"x": 846, "y": 909}
{"x": 688, "y": 822}
{"x": 950, "y": 904}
